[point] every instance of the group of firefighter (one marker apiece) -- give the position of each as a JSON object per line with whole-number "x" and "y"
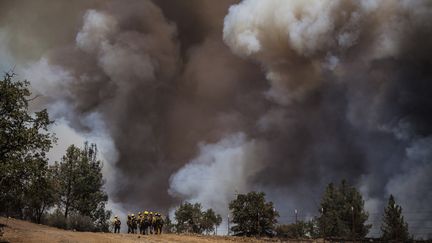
{"x": 145, "y": 222}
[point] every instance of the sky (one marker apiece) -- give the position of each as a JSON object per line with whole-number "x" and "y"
{"x": 200, "y": 100}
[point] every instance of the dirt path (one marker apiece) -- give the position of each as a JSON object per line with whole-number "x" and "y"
{"x": 22, "y": 231}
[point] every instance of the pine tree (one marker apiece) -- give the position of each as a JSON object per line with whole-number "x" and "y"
{"x": 80, "y": 185}
{"x": 342, "y": 212}
{"x": 394, "y": 227}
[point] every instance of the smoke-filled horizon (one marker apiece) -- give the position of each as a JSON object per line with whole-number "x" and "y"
{"x": 201, "y": 100}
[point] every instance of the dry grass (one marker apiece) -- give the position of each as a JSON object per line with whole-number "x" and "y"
{"x": 22, "y": 231}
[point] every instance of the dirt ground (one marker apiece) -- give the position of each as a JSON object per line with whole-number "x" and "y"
{"x": 22, "y": 231}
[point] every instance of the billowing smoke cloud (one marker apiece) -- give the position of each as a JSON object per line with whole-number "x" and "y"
{"x": 121, "y": 66}
{"x": 224, "y": 169}
{"x": 200, "y": 100}
{"x": 350, "y": 86}
{"x": 153, "y": 90}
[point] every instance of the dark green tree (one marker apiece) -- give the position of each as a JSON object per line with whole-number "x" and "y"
{"x": 80, "y": 185}
{"x": 168, "y": 225}
{"x": 101, "y": 218}
{"x": 40, "y": 194}
{"x": 329, "y": 222}
{"x": 394, "y": 227}
{"x": 218, "y": 222}
{"x": 24, "y": 142}
{"x": 210, "y": 220}
{"x": 189, "y": 218}
{"x": 252, "y": 215}
{"x": 342, "y": 213}
{"x": 192, "y": 219}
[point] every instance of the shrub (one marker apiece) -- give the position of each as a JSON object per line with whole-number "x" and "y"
{"x": 56, "y": 219}
{"x": 80, "y": 223}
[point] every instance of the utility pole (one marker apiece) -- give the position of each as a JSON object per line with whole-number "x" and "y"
{"x": 353, "y": 223}
{"x": 296, "y": 223}
{"x": 322, "y": 216}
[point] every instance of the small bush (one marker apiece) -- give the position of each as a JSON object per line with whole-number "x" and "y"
{"x": 73, "y": 222}
{"x": 56, "y": 219}
{"x": 80, "y": 223}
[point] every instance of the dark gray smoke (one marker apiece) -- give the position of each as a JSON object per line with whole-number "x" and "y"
{"x": 351, "y": 85}
{"x": 202, "y": 100}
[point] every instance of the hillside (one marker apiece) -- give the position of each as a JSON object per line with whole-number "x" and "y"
{"x": 23, "y": 231}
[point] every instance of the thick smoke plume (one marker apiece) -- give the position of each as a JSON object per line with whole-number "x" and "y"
{"x": 351, "y": 85}
{"x": 201, "y": 100}
{"x": 223, "y": 169}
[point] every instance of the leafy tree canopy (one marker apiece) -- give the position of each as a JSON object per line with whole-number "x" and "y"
{"x": 24, "y": 142}
{"x": 168, "y": 226}
{"x": 210, "y": 220}
{"x": 252, "y": 215}
{"x": 191, "y": 218}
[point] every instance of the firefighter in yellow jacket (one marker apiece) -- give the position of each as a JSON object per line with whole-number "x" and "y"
{"x": 158, "y": 223}
{"x": 146, "y": 223}
{"x": 129, "y": 223}
{"x": 151, "y": 216}
{"x": 134, "y": 224}
{"x": 117, "y": 224}
{"x": 139, "y": 222}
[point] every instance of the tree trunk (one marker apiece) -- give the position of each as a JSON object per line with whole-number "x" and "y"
{"x": 66, "y": 210}
{"x": 68, "y": 195}
{"x": 40, "y": 214}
